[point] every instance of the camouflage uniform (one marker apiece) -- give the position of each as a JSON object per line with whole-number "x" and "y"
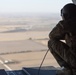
{"x": 64, "y": 52}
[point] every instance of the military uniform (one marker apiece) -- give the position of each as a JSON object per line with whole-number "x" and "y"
{"x": 64, "y": 52}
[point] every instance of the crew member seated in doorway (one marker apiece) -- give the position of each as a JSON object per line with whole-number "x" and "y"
{"x": 65, "y": 52}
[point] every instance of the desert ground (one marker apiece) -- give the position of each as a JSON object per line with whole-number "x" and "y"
{"x": 31, "y": 58}
{"x": 23, "y": 42}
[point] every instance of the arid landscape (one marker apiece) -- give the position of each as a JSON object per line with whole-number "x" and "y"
{"x": 23, "y": 41}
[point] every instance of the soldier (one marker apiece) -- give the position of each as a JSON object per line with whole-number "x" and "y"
{"x": 65, "y": 52}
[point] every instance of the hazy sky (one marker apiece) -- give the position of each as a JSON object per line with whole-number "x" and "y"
{"x": 52, "y": 6}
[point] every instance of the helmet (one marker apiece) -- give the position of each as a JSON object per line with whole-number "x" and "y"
{"x": 69, "y": 11}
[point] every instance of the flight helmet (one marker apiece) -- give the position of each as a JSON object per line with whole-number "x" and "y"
{"x": 68, "y": 11}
